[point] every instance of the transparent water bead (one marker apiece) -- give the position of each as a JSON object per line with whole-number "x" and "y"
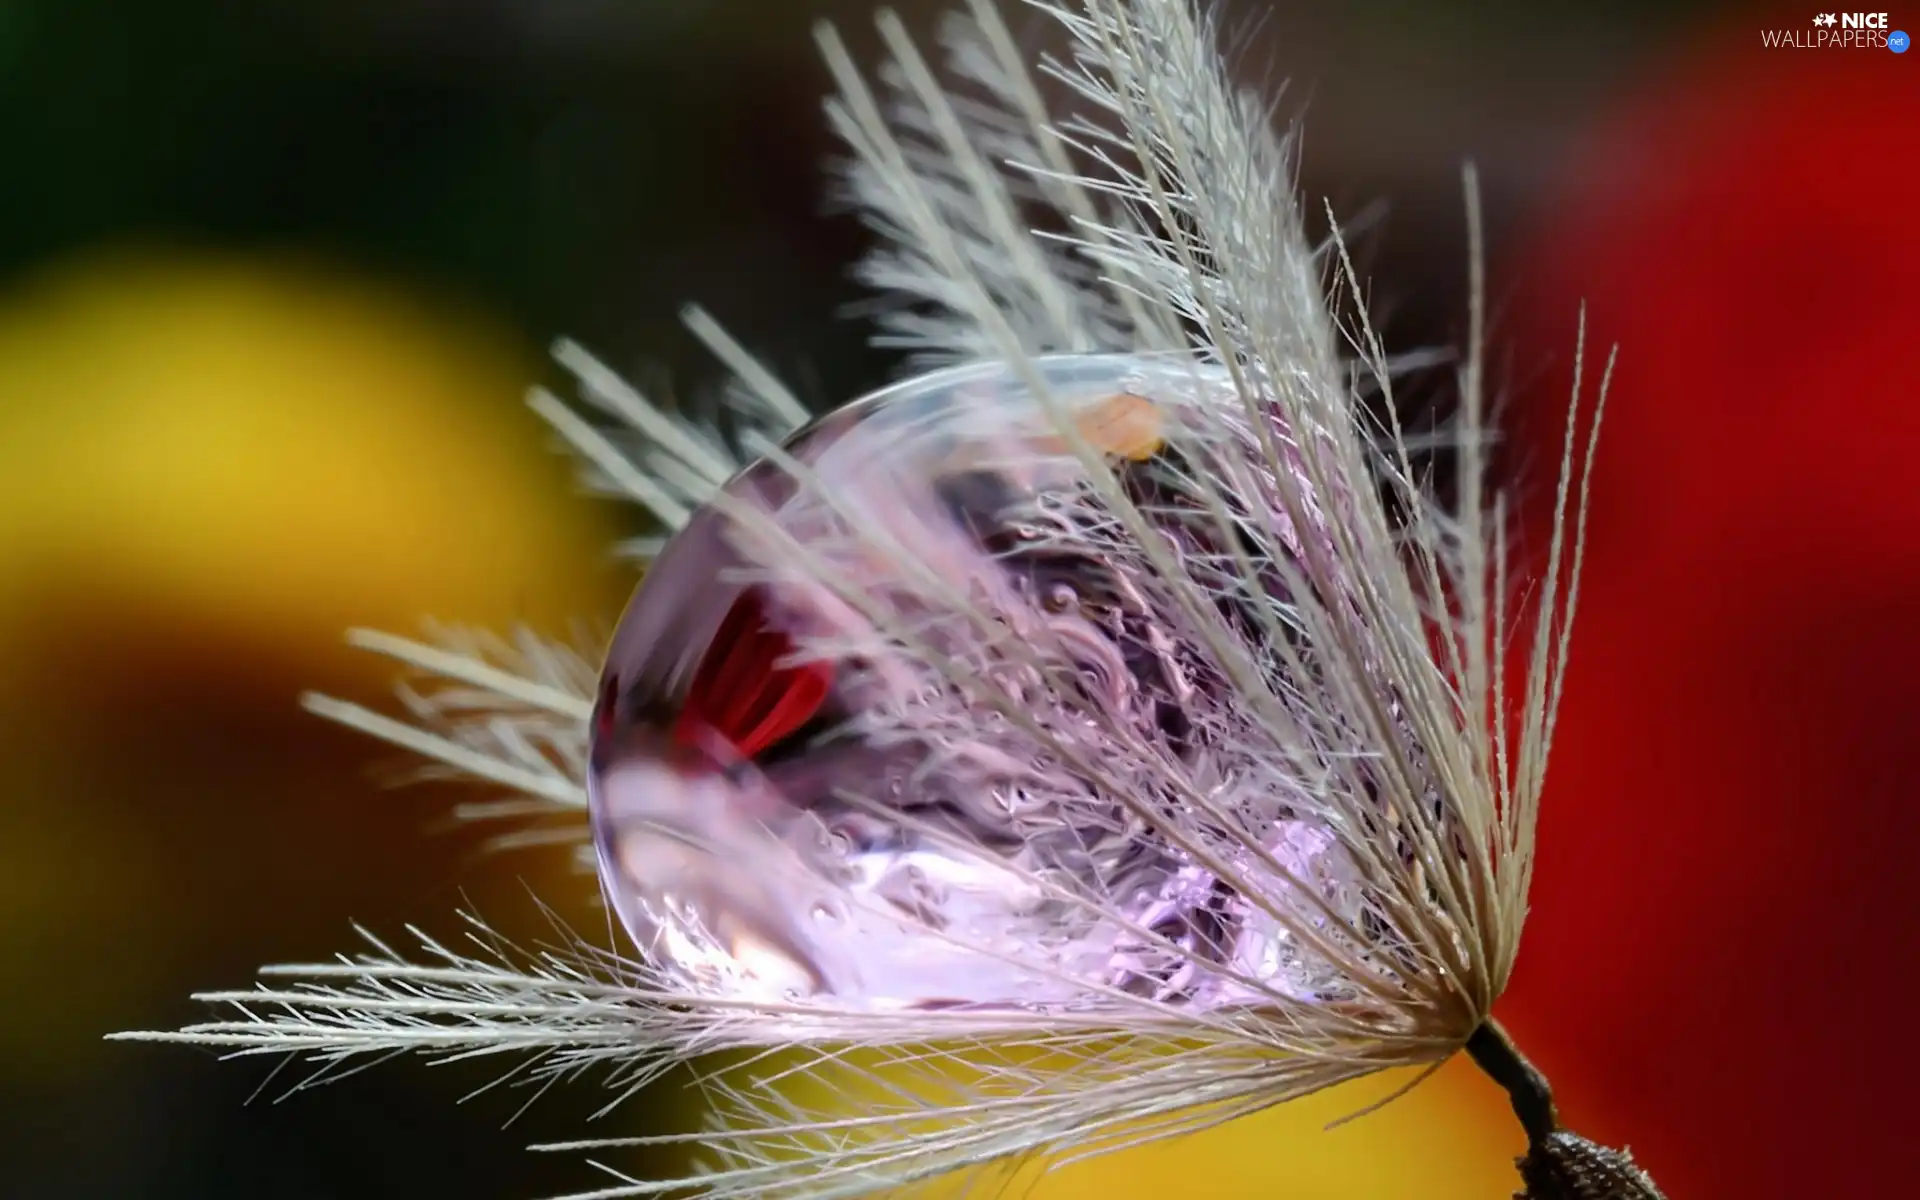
{"x": 906, "y": 719}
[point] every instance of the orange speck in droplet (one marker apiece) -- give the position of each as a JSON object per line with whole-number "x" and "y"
{"x": 1124, "y": 424}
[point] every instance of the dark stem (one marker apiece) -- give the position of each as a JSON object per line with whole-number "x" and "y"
{"x": 1494, "y": 1052}
{"x": 1559, "y": 1164}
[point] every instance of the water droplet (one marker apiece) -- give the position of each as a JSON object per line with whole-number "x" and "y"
{"x": 806, "y": 671}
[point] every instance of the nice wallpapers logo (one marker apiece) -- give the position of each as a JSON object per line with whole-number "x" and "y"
{"x": 1840, "y": 31}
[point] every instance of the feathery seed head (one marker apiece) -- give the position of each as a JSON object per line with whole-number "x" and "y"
{"x": 1106, "y": 731}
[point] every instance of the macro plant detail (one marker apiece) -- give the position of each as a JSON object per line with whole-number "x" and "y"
{"x": 1104, "y": 732}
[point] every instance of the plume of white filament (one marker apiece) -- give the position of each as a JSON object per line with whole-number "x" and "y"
{"x": 1158, "y": 216}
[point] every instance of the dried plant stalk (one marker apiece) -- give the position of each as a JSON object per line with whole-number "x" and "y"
{"x": 1172, "y": 771}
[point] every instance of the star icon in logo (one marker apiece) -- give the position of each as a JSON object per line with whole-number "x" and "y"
{"x": 1826, "y": 19}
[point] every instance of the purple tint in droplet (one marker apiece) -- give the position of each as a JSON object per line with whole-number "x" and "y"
{"x": 865, "y": 727}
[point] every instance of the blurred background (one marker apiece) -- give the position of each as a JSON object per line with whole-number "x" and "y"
{"x": 274, "y": 279}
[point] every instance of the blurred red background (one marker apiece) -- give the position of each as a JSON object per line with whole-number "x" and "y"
{"x": 273, "y": 286}
{"x": 1723, "y": 902}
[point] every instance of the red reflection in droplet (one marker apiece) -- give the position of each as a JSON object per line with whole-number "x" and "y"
{"x": 744, "y": 691}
